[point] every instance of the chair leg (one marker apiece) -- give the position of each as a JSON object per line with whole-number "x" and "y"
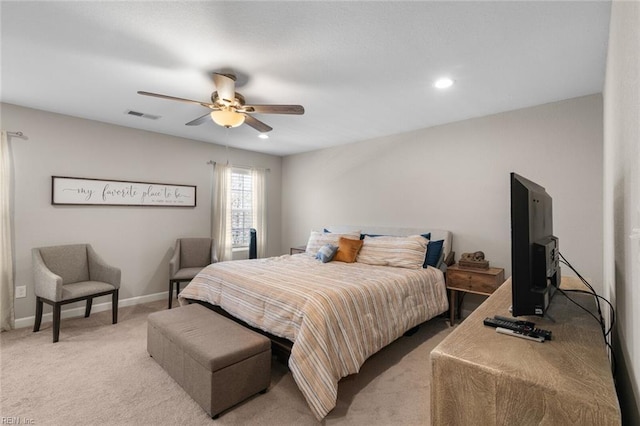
{"x": 177, "y": 289}
{"x": 114, "y": 307}
{"x": 36, "y": 325}
{"x": 56, "y": 322}
{"x": 87, "y": 310}
{"x": 170, "y": 293}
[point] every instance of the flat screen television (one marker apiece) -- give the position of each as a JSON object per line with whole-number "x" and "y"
{"x": 535, "y": 262}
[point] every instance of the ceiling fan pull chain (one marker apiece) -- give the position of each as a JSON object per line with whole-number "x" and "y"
{"x": 226, "y": 144}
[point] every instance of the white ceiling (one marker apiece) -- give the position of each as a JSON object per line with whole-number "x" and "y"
{"x": 360, "y": 69}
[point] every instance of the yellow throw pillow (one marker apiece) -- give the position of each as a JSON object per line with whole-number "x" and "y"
{"x": 347, "y": 250}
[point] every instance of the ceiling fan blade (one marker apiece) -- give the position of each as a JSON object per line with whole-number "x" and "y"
{"x": 199, "y": 120}
{"x": 173, "y": 98}
{"x": 275, "y": 109}
{"x": 256, "y": 124}
{"x": 225, "y": 85}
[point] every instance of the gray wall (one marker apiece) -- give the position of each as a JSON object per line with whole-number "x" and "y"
{"x": 453, "y": 176}
{"x": 456, "y": 177}
{"x": 137, "y": 239}
{"x": 622, "y": 198}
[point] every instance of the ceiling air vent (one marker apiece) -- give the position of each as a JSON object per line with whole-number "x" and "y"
{"x": 142, "y": 114}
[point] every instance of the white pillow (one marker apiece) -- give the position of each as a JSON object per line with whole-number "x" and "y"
{"x": 400, "y": 252}
{"x": 319, "y": 239}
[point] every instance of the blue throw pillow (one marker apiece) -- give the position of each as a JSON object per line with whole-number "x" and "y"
{"x": 326, "y": 253}
{"x": 434, "y": 250}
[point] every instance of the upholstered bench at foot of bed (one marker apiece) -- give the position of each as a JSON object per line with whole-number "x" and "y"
{"x": 217, "y": 362}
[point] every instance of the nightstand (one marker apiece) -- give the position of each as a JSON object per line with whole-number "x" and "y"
{"x": 296, "y": 250}
{"x": 468, "y": 280}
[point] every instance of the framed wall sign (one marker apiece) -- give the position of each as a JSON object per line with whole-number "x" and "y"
{"x": 98, "y": 192}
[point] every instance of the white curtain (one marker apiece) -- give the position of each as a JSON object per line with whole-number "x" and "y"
{"x": 259, "y": 206}
{"x": 222, "y": 211}
{"x": 6, "y": 251}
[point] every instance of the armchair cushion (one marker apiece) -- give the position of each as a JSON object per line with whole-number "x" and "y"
{"x": 195, "y": 252}
{"x": 85, "y": 288}
{"x": 68, "y": 262}
{"x": 185, "y": 274}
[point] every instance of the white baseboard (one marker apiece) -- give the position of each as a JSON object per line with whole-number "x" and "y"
{"x": 79, "y": 311}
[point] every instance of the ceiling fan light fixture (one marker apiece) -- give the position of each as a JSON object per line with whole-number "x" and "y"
{"x": 227, "y": 118}
{"x": 443, "y": 83}
{"x": 227, "y": 107}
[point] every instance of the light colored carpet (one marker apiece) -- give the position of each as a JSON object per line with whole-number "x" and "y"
{"x": 99, "y": 373}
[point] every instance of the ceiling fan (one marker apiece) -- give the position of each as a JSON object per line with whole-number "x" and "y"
{"x": 228, "y": 108}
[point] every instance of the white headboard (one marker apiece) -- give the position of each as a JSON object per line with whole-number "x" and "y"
{"x": 436, "y": 234}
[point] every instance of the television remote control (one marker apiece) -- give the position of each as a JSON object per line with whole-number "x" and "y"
{"x": 521, "y": 334}
{"x": 522, "y": 326}
{"x": 515, "y": 321}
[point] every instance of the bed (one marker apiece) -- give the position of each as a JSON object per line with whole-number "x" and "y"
{"x": 335, "y": 314}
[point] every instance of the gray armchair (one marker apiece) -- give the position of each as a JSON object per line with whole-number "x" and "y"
{"x": 190, "y": 256}
{"x": 71, "y": 273}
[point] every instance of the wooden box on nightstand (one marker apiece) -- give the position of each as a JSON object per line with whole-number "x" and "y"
{"x": 478, "y": 281}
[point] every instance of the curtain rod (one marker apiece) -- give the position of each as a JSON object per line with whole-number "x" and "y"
{"x": 17, "y": 134}
{"x": 239, "y": 165}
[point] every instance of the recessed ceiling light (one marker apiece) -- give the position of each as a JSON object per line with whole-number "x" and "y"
{"x": 263, "y": 136}
{"x": 443, "y": 83}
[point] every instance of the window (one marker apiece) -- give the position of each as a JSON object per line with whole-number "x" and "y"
{"x": 241, "y": 207}
{"x": 239, "y": 204}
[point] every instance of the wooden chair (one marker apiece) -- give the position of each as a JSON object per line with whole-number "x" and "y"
{"x": 71, "y": 273}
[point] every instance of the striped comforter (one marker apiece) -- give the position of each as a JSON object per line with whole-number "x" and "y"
{"x": 336, "y": 314}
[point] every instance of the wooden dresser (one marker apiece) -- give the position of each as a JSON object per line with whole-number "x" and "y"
{"x": 480, "y": 377}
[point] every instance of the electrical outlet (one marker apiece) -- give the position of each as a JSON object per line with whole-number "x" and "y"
{"x": 21, "y": 291}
